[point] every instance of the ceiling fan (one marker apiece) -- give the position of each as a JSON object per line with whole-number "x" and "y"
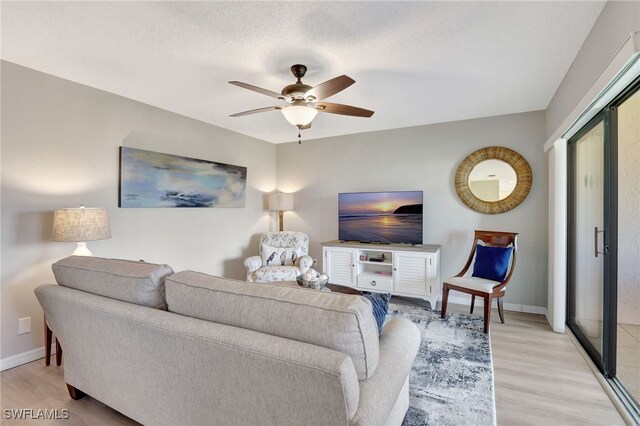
{"x": 306, "y": 101}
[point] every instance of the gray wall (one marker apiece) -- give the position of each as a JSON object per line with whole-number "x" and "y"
{"x": 616, "y": 22}
{"x": 60, "y": 149}
{"x": 425, "y": 158}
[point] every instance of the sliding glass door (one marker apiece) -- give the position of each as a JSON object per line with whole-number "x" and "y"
{"x": 588, "y": 233}
{"x": 628, "y": 304}
{"x": 603, "y": 293}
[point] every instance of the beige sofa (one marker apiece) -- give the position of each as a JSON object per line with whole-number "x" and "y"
{"x": 190, "y": 348}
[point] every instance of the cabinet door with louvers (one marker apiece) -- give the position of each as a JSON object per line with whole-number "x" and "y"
{"x": 412, "y": 273}
{"x": 339, "y": 265}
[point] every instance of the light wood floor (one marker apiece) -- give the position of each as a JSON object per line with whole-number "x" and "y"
{"x": 540, "y": 379}
{"x": 628, "y": 358}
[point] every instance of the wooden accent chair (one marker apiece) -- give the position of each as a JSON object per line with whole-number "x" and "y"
{"x": 487, "y": 289}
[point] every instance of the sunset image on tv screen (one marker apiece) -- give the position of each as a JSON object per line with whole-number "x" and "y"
{"x": 385, "y": 217}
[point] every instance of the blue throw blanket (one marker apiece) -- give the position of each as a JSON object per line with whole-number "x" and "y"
{"x": 380, "y": 304}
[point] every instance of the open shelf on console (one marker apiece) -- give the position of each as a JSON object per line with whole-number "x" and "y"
{"x": 367, "y": 256}
{"x": 369, "y": 262}
{"x": 375, "y": 269}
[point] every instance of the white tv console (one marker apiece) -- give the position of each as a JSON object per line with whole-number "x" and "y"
{"x": 406, "y": 270}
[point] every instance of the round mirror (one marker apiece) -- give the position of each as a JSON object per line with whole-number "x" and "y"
{"x": 493, "y": 180}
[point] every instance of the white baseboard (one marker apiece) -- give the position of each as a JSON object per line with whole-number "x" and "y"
{"x": 560, "y": 329}
{"x": 527, "y": 309}
{"x": 513, "y": 307}
{"x": 24, "y": 358}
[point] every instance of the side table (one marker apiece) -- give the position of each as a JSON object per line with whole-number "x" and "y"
{"x": 335, "y": 288}
{"x": 48, "y": 335}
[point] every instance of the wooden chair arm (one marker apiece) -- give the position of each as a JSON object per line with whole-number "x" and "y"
{"x": 471, "y": 254}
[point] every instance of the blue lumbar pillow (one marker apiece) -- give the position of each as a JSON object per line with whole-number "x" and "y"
{"x": 492, "y": 262}
{"x": 380, "y": 304}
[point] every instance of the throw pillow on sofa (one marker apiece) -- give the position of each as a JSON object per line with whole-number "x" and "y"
{"x": 126, "y": 280}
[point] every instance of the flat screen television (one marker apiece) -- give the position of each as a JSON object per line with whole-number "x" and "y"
{"x": 380, "y": 217}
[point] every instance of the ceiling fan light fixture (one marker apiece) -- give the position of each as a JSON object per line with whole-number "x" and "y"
{"x": 302, "y": 98}
{"x": 299, "y": 115}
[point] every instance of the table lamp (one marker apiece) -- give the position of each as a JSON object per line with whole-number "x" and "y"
{"x": 281, "y": 202}
{"x": 80, "y": 225}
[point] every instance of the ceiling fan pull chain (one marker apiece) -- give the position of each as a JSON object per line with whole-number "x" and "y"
{"x": 299, "y": 138}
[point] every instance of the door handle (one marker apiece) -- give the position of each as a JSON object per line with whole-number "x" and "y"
{"x": 597, "y": 231}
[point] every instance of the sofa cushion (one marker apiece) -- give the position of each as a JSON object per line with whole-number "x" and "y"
{"x": 335, "y": 321}
{"x": 135, "y": 282}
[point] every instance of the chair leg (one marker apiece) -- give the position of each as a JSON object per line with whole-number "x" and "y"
{"x": 58, "y": 353}
{"x": 487, "y": 313}
{"x": 501, "y": 309}
{"x": 473, "y": 302}
{"x": 445, "y": 300}
{"x": 47, "y": 343}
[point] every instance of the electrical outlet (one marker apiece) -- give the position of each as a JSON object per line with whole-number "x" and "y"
{"x": 24, "y": 325}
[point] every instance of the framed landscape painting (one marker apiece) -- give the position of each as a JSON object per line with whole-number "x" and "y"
{"x": 152, "y": 179}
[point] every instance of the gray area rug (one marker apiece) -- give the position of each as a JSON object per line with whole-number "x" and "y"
{"x": 451, "y": 382}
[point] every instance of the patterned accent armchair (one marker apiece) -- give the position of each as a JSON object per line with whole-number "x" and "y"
{"x": 283, "y": 256}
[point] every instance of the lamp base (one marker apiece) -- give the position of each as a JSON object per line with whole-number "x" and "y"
{"x": 281, "y": 220}
{"x": 82, "y": 250}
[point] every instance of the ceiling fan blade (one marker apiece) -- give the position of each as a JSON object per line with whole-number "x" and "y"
{"x": 308, "y": 126}
{"x": 258, "y": 89}
{"x": 343, "y": 109}
{"x": 254, "y": 111}
{"x": 329, "y": 88}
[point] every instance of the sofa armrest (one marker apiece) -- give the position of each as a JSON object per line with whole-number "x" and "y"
{"x": 399, "y": 343}
{"x": 253, "y": 263}
{"x": 306, "y": 262}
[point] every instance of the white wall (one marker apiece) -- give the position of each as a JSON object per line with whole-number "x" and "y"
{"x": 425, "y": 158}
{"x": 60, "y": 149}
{"x": 616, "y": 22}
{"x": 557, "y": 286}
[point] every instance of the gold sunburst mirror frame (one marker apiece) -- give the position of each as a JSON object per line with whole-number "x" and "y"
{"x": 512, "y": 158}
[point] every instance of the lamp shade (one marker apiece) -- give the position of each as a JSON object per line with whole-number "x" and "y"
{"x": 280, "y": 201}
{"x": 299, "y": 115}
{"x": 81, "y": 224}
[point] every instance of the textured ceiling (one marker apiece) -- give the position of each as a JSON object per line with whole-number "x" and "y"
{"x": 414, "y": 63}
